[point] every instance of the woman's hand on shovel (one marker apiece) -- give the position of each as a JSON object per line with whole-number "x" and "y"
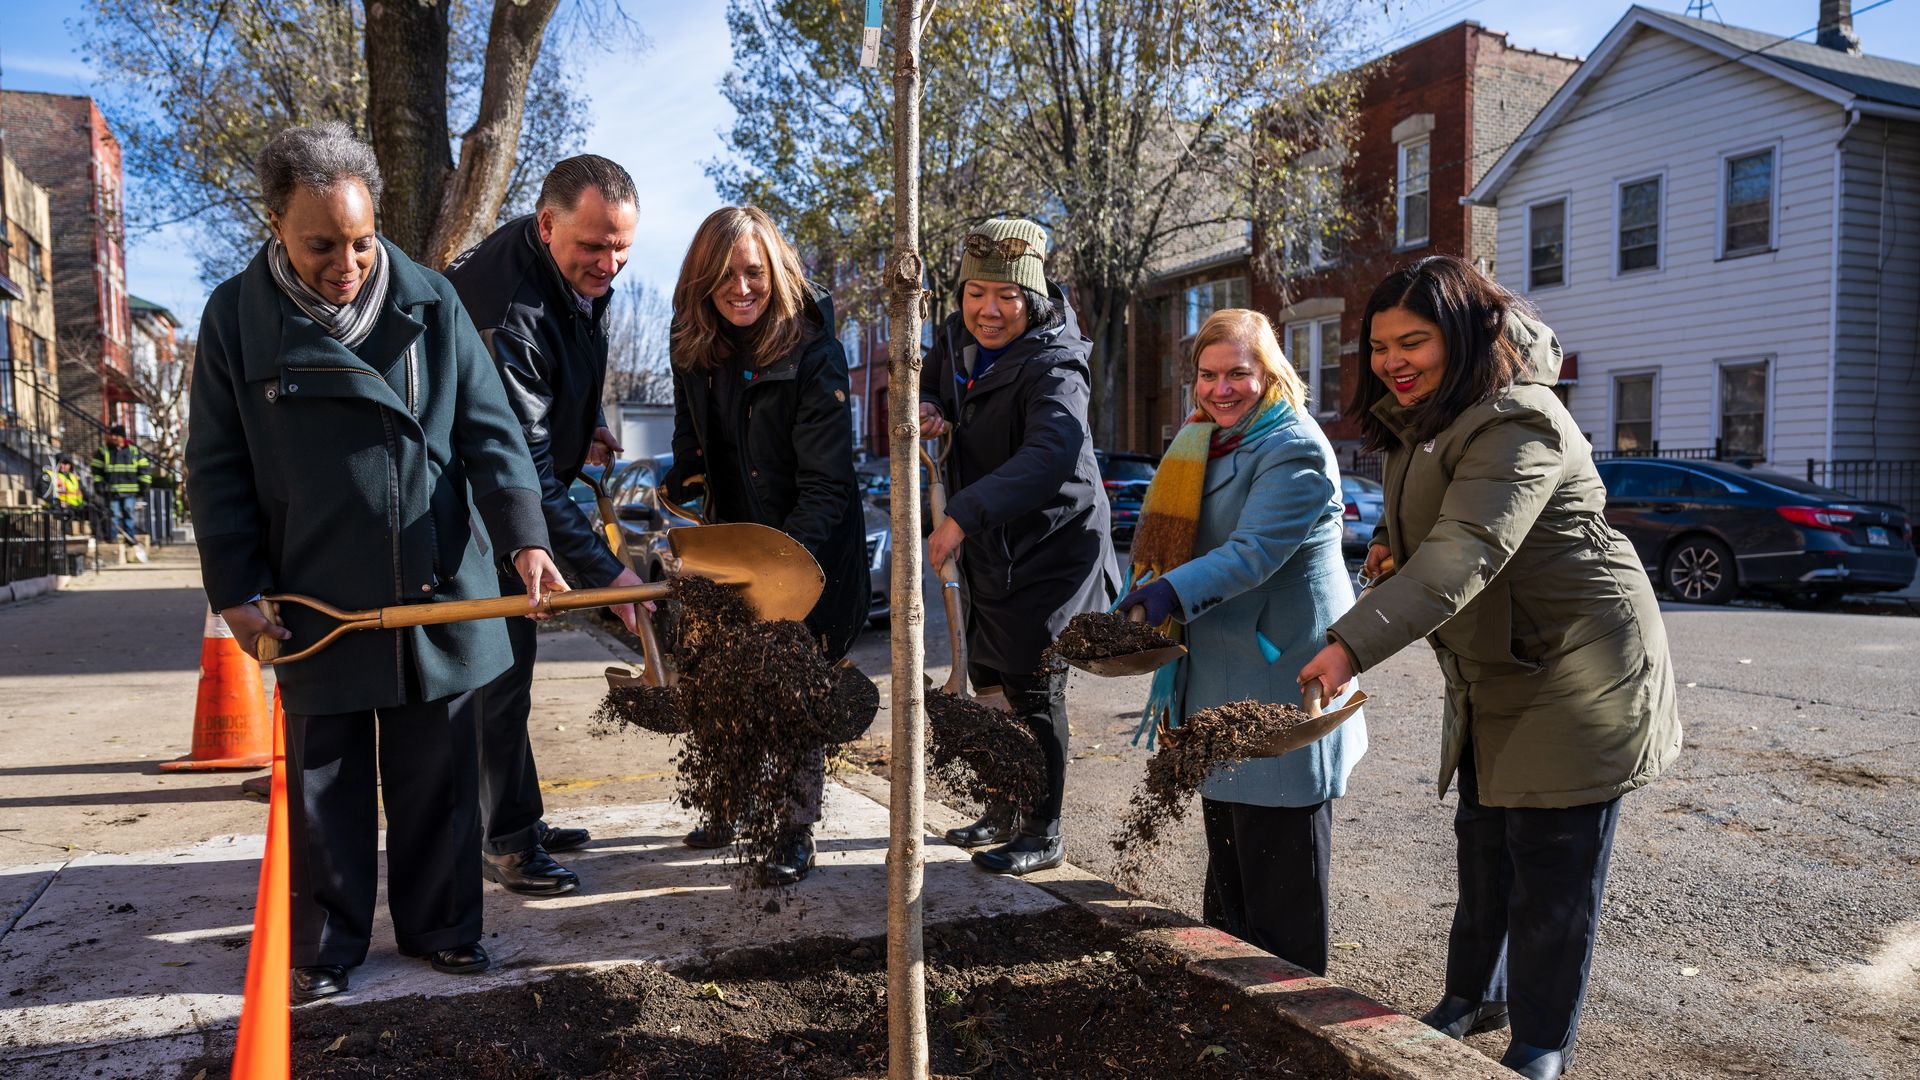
{"x": 541, "y": 577}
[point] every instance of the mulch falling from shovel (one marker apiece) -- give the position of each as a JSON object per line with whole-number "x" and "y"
{"x": 1101, "y": 635}
{"x": 1202, "y": 743}
{"x": 650, "y": 708}
{"x": 981, "y": 754}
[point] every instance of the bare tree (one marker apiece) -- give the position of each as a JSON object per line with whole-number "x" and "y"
{"x": 163, "y": 389}
{"x": 639, "y": 341}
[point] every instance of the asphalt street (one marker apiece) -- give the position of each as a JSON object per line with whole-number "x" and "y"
{"x": 1763, "y": 912}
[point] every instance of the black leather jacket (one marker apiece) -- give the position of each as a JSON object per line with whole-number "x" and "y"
{"x": 552, "y": 357}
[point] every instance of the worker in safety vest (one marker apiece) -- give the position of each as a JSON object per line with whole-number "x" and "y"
{"x": 122, "y": 473}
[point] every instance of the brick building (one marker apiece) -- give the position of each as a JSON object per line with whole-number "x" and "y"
{"x": 1433, "y": 117}
{"x": 29, "y": 395}
{"x": 62, "y": 142}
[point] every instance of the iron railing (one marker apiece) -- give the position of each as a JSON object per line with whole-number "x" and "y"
{"x": 31, "y": 545}
{"x": 1896, "y": 482}
{"x": 81, "y": 435}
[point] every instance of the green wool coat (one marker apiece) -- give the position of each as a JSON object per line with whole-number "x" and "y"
{"x": 344, "y": 475}
{"x": 1542, "y": 618}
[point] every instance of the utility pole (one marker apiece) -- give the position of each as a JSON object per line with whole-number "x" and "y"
{"x": 906, "y": 857}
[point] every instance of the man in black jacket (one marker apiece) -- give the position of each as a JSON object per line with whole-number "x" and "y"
{"x": 538, "y": 290}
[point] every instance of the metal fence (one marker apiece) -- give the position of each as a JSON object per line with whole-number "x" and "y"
{"x": 1896, "y": 482}
{"x": 30, "y": 545}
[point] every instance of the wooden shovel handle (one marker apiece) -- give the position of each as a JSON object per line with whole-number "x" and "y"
{"x": 949, "y": 582}
{"x": 500, "y": 607}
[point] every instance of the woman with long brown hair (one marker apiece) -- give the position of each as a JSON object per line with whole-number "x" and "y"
{"x": 763, "y": 426}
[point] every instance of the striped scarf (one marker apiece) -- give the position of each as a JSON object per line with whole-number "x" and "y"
{"x": 350, "y": 323}
{"x": 1170, "y": 514}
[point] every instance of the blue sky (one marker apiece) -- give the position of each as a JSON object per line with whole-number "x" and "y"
{"x": 661, "y": 113}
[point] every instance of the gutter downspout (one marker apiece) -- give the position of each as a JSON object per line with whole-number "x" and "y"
{"x": 1833, "y": 298}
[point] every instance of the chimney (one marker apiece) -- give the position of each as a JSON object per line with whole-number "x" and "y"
{"x": 1836, "y": 27}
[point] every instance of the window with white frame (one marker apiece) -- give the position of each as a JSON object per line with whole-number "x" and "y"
{"x": 1203, "y": 300}
{"x": 1633, "y": 413}
{"x": 1743, "y": 409}
{"x": 1415, "y": 161}
{"x": 1314, "y": 347}
{"x": 1639, "y": 225}
{"x": 1747, "y": 213}
{"x": 1547, "y": 244}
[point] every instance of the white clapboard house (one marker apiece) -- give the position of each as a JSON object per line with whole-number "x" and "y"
{"x": 1724, "y": 229}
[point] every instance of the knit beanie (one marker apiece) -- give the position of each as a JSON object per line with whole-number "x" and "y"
{"x": 1027, "y": 269}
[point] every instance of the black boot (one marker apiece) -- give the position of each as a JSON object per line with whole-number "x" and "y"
{"x": 1537, "y": 1062}
{"x": 1027, "y": 853}
{"x": 792, "y": 857}
{"x": 713, "y": 834}
{"x": 1456, "y": 1017}
{"x": 531, "y": 873}
{"x": 318, "y": 981}
{"x": 994, "y": 827}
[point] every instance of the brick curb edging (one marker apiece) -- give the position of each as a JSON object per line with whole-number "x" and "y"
{"x": 1377, "y": 1042}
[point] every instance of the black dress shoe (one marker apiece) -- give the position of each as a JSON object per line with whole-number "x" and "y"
{"x": 1537, "y": 1062}
{"x": 711, "y": 835}
{"x": 791, "y": 860}
{"x": 460, "y": 960}
{"x": 995, "y": 827}
{"x": 1025, "y": 855}
{"x": 531, "y": 873}
{"x": 554, "y": 839}
{"x": 1456, "y": 1017}
{"x": 318, "y": 981}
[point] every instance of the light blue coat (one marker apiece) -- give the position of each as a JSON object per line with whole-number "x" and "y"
{"x": 1268, "y": 563}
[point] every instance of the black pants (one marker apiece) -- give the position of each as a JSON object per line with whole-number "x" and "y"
{"x": 421, "y": 760}
{"x": 1041, "y": 701}
{"x": 1267, "y": 869}
{"x": 510, "y": 804}
{"x": 1523, "y": 930}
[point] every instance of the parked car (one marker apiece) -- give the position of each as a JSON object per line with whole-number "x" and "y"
{"x": 1710, "y": 530}
{"x": 879, "y": 567}
{"x": 1363, "y": 499}
{"x": 644, "y": 519}
{"x": 1125, "y": 476}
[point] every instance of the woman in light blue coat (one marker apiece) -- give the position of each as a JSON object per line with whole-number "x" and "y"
{"x": 1239, "y": 543}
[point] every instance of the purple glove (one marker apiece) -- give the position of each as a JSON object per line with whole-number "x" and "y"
{"x": 1157, "y": 596}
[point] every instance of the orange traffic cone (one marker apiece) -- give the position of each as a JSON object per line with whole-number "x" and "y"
{"x": 263, "y": 1050}
{"x": 230, "y": 726}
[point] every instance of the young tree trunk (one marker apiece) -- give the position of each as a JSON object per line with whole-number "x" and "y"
{"x": 473, "y": 194}
{"x": 906, "y": 955}
{"x": 1103, "y": 322}
{"x": 406, "y": 45}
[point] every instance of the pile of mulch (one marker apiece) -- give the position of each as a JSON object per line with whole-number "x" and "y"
{"x": 756, "y": 702}
{"x": 1053, "y": 995}
{"x": 1190, "y": 753}
{"x": 981, "y": 755}
{"x": 1101, "y": 635}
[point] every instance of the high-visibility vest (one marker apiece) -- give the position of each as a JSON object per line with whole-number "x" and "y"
{"x": 64, "y": 488}
{"x": 121, "y": 471}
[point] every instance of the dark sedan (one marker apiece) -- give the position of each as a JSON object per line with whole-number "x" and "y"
{"x": 1125, "y": 476}
{"x": 1710, "y": 530}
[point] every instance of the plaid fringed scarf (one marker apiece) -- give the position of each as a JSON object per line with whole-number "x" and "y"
{"x": 1168, "y": 517}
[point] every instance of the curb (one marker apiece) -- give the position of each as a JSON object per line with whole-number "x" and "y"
{"x": 1377, "y": 1042}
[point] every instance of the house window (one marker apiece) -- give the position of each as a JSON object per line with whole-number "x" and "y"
{"x": 36, "y": 261}
{"x": 1203, "y": 300}
{"x": 1314, "y": 348}
{"x": 1414, "y": 160}
{"x": 1743, "y": 410}
{"x": 1640, "y": 225}
{"x": 1547, "y": 244}
{"x": 1314, "y": 244}
{"x": 1633, "y": 414}
{"x": 6, "y": 360}
{"x": 1749, "y": 204}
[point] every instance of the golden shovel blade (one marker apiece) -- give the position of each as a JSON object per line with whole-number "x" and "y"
{"x": 775, "y": 573}
{"x": 1114, "y": 667}
{"x": 1315, "y": 729}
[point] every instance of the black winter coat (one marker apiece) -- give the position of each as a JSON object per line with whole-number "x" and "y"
{"x": 794, "y": 428}
{"x": 552, "y": 358}
{"x": 1024, "y": 485}
{"x": 345, "y": 475}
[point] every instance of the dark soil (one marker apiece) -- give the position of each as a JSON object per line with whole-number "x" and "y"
{"x": 982, "y": 755}
{"x": 1054, "y": 995}
{"x": 650, "y": 708}
{"x": 1202, "y": 743}
{"x": 853, "y": 701}
{"x": 1101, "y": 635}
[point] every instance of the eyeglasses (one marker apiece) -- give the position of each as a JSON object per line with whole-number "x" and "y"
{"x": 982, "y": 246}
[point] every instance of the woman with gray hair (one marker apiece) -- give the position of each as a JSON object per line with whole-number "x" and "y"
{"x": 344, "y": 414}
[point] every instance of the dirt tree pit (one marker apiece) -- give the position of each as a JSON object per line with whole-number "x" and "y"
{"x": 1051, "y": 995}
{"x": 1206, "y": 740}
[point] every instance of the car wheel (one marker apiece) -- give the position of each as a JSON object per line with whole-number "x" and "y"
{"x": 1812, "y": 599}
{"x": 1700, "y": 570}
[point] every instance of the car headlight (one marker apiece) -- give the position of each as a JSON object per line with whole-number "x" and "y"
{"x": 876, "y": 550}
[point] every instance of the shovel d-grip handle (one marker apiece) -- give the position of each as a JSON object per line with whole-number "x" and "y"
{"x": 450, "y": 611}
